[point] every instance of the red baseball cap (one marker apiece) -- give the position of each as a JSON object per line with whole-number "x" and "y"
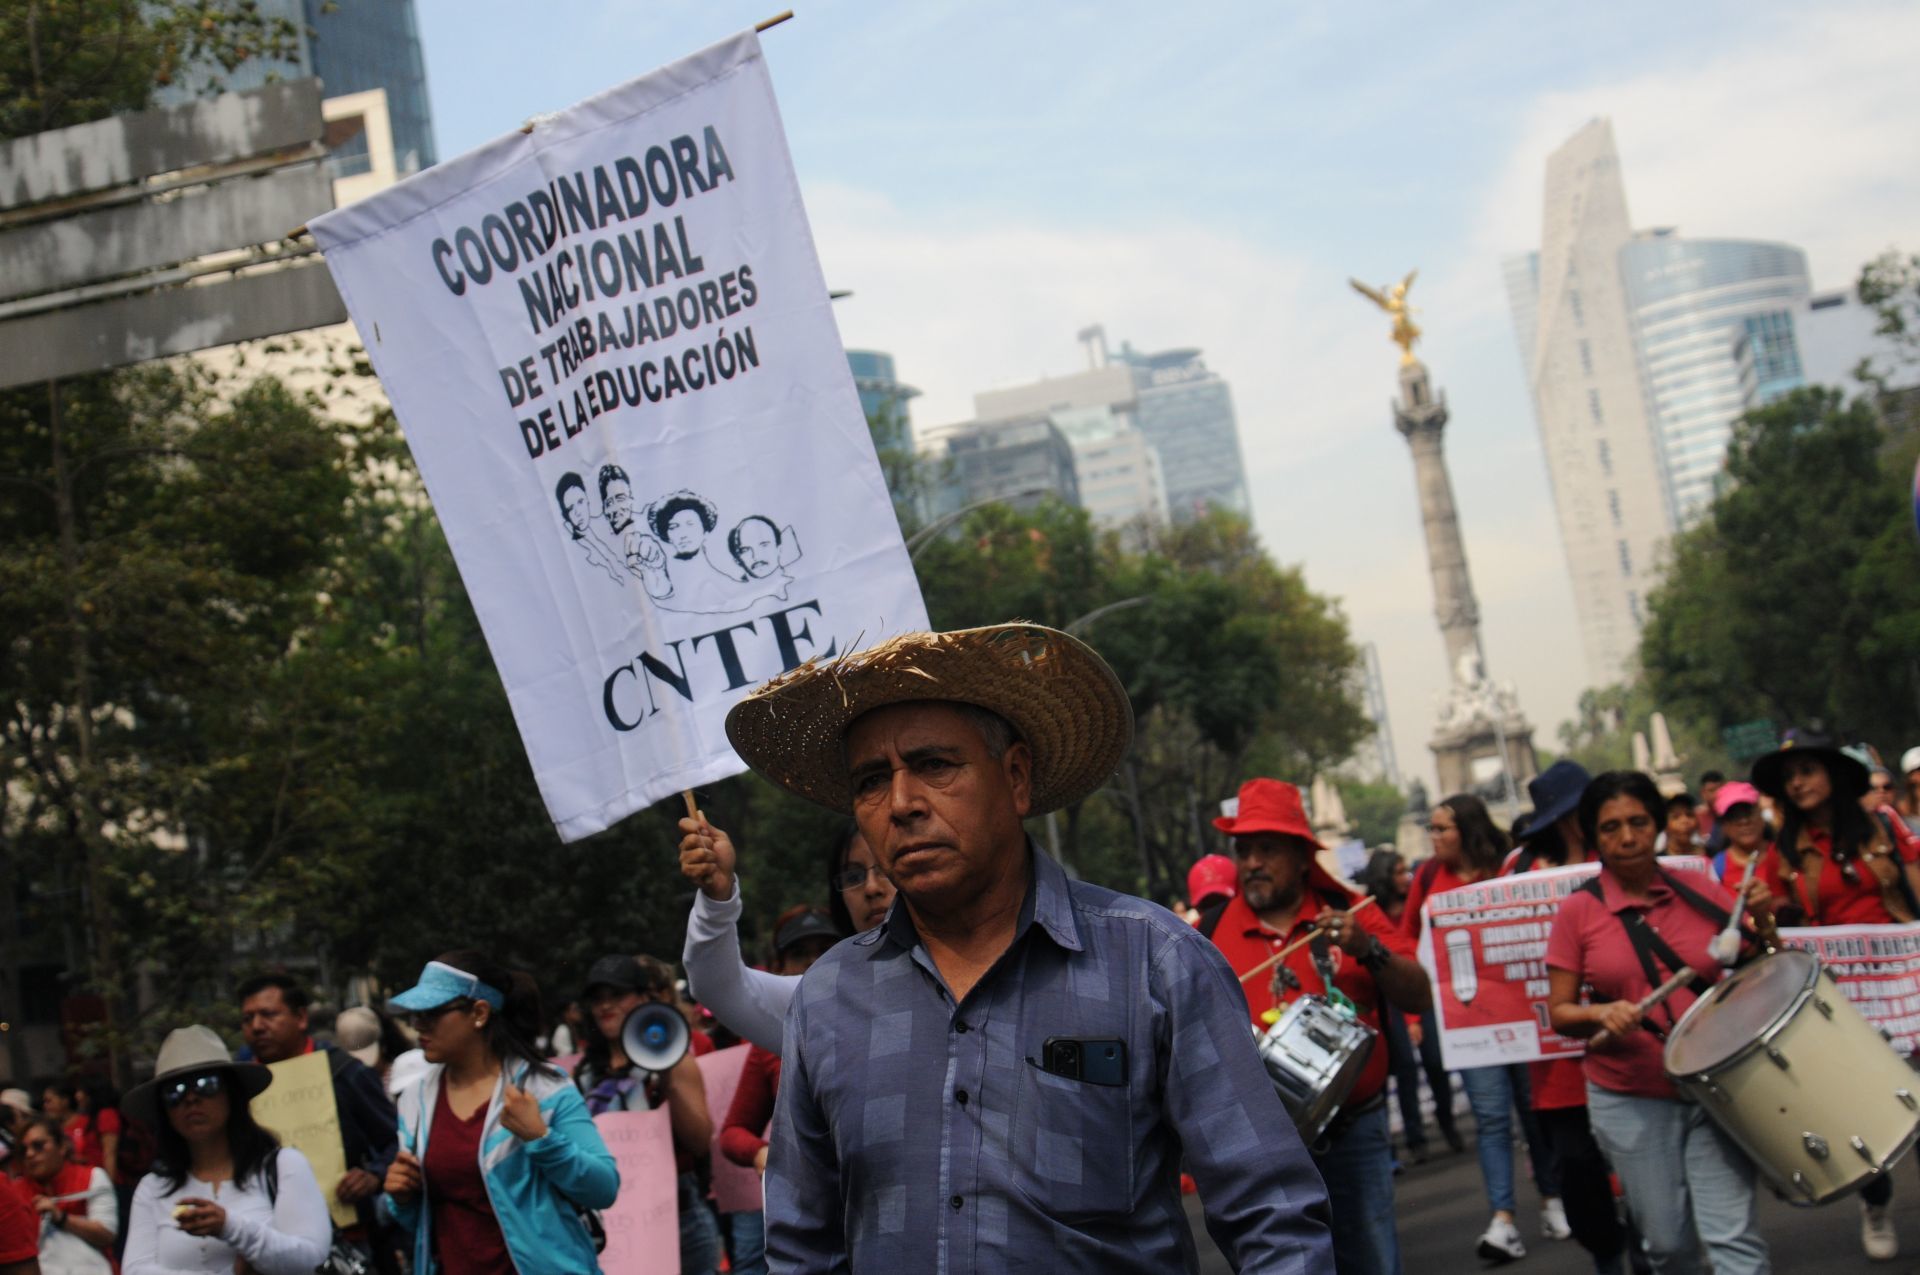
{"x": 1212, "y": 874}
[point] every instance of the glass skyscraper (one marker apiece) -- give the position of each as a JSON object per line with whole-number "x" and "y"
{"x": 352, "y": 46}
{"x": 1704, "y": 311}
{"x": 1186, "y": 412}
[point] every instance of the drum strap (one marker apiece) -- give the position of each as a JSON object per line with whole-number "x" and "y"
{"x": 1653, "y": 950}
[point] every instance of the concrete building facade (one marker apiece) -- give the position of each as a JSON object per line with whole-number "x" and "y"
{"x": 1571, "y": 313}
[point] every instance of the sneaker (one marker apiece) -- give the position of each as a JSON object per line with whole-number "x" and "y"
{"x": 1877, "y": 1235}
{"x": 1553, "y": 1219}
{"x": 1501, "y": 1242}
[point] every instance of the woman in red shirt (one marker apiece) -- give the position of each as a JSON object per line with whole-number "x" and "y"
{"x": 1469, "y": 848}
{"x": 1621, "y": 934}
{"x": 1836, "y": 865}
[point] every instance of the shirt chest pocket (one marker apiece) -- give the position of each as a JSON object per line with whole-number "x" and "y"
{"x": 1073, "y": 1145}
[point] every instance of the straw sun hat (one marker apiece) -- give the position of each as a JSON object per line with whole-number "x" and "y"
{"x": 1059, "y": 696}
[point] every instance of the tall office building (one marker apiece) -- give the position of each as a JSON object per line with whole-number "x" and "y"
{"x": 1705, "y": 314}
{"x": 1117, "y": 470}
{"x": 1572, "y": 316}
{"x": 1006, "y": 460}
{"x": 353, "y": 46}
{"x": 883, "y": 398}
{"x": 1186, "y": 412}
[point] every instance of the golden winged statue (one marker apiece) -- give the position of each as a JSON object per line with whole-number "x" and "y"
{"x": 1393, "y": 299}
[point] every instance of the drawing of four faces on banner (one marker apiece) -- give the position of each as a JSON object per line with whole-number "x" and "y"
{"x": 666, "y": 548}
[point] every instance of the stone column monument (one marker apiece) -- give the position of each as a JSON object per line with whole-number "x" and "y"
{"x": 1482, "y": 742}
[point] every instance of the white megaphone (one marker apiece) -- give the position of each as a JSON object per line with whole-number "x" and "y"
{"x": 655, "y": 1037}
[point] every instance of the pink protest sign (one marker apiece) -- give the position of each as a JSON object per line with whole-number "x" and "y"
{"x": 1485, "y": 946}
{"x": 643, "y": 1226}
{"x": 736, "y": 1187}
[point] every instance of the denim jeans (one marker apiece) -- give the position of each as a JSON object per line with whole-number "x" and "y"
{"x": 1404, "y": 1061}
{"x": 1495, "y": 1093}
{"x": 1358, "y": 1170}
{"x": 748, "y": 1231}
{"x": 1683, "y": 1179}
{"x": 699, "y": 1232}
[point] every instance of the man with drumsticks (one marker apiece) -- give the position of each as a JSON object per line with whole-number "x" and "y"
{"x": 1287, "y": 900}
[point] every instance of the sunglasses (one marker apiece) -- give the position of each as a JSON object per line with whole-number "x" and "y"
{"x": 210, "y": 1085}
{"x": 421, "y": 1019}
{"x": 854, "y": 877}
{"x": 1883, "y": 787}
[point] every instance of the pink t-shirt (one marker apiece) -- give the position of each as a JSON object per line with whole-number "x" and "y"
{"x": 1590, "y": 940}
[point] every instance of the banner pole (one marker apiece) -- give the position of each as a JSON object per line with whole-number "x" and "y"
{"x": 686, "y": 795}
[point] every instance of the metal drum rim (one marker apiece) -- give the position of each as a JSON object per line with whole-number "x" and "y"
{"x": 1762, "y": 1039}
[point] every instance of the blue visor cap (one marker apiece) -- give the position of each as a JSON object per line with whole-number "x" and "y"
{"x": 440, "y": 984}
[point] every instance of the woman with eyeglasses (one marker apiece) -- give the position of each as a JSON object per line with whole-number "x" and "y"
{"x": 754, "y": 1002}
{"x": 1469, "y": 848}
{"x": 73, "y": 1201}
{"x": 498, "y": 1157}
{"x": 224, "y": 1195}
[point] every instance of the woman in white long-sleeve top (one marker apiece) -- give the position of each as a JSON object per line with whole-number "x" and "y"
{"x": 754, "y": 1002}
{"x": 222, "y": 1190}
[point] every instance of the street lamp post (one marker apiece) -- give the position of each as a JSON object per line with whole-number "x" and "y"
{"x": 1074, "y": 627}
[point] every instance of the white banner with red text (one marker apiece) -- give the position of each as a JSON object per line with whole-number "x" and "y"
{"x": 610, "y": 344}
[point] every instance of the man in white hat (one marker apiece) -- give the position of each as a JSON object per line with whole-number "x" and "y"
{"x": 1011, "y": 1066}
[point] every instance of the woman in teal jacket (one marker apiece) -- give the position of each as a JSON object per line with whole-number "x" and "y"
{"x": 498, "y": 1159}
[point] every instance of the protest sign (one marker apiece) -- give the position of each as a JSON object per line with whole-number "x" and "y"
{"x": 611, "y": 347}
{"x": 736, "y": 1187}
{"x": 1878, "y": 969}
{"x": 1485, "y": 947}
{"x": 299, "y": 1106}
{"x": 643, "y": 1226}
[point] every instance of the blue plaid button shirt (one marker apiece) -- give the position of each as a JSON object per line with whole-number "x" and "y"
{"x": 913, "y": 1135}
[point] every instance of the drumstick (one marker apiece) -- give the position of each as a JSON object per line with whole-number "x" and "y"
{"x": 1681, "y": 978}
{"x": 1301, "y": 942}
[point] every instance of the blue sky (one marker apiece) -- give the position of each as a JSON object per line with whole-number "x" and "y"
{"x": 990, "y": 177}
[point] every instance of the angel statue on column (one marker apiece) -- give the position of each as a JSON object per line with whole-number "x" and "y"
{"x": 1393, "y": 299}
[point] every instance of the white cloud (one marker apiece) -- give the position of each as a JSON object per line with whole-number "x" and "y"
{"x": 1802, "y": 134}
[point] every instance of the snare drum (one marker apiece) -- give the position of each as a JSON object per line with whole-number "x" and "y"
{"x": 1781, "y": 1061}
{"x": 1315, "y": 1054}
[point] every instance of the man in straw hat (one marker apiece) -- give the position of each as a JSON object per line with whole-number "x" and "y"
{"x": 1009, "y": 1068}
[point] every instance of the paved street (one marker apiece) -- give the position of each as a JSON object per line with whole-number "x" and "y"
{"x": 1442, "y": 1210}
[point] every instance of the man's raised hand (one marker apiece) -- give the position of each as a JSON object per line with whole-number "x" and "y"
{"x": 706, "y": 858}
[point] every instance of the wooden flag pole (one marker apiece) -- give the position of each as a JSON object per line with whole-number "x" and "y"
{"x": 693, "y": 811}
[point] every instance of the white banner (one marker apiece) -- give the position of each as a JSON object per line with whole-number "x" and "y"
{"x": 610, "y": 345}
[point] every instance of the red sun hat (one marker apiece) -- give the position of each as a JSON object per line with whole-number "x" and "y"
{"x": 1267, "y": 805}
{"x": 1210, "y": 875}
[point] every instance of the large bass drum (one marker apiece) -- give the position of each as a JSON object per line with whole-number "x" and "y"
{"x": 1315, "y": 1054}
{"x": 1780, "y": 1060}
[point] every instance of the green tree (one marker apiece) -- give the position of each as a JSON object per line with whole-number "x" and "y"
{"x": 1374, "y": 808}
{"x": 1798, "y": 598}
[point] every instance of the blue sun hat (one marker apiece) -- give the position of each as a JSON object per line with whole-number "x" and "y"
{"x": 441, "y": 984}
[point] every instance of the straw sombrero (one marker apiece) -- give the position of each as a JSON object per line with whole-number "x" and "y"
{"x": 1055, "y": 691}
